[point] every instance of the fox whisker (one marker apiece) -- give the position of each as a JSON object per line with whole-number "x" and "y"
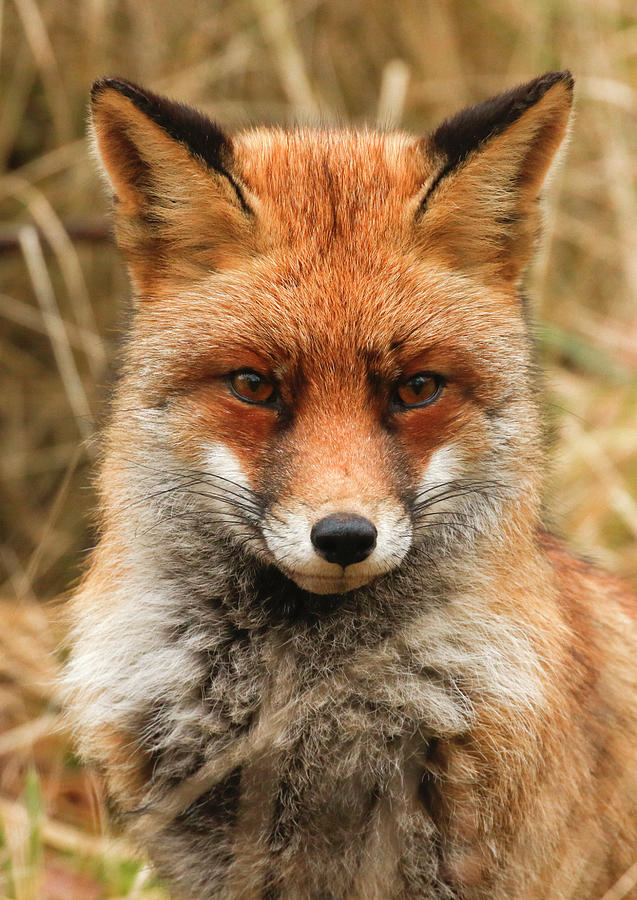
{"x": 243, "y": 493}
{"x": 455, "y": 483}
{"x": 450, "y": 495}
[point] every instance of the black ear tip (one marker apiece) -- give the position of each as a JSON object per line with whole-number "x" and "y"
{"x": 530, "y": 93}
{"x": 113, "y": 83}
{"x": 472, "y": 127}
{"x": 547, "y": 81}
{"x": 202, "y": 138}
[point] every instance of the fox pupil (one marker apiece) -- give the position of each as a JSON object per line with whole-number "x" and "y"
{"x": 419, "y": 390}
{"x": 252, "y": 387}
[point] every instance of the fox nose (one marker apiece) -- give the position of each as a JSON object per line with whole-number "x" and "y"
{"x": 344, "y": 538}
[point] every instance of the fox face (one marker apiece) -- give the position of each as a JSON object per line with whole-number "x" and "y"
{"x": 329, "y": 364}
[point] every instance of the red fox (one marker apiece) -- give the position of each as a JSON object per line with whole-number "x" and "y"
{"x": 325, "y": 648}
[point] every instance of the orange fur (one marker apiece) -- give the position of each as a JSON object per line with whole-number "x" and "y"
{"x": 450, "y": 717}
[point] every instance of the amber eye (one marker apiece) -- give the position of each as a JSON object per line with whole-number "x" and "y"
{"x": 251, "y": 387}
{"x": 419, "y": 390}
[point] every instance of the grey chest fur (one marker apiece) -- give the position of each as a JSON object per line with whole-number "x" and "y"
{"x": 302, "y": 775}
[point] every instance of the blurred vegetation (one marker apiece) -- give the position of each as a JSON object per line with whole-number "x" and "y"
{"x": 63, "y": 298}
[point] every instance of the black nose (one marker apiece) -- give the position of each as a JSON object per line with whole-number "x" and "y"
{"x": 343, "y": 538}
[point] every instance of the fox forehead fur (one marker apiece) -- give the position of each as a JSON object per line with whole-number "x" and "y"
{"x": 324, "y": 647}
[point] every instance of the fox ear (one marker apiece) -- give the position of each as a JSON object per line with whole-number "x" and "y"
{"x": 180, "y": 210}
{"x": 480, "y": 211}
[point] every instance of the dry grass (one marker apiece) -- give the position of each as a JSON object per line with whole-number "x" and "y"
{"x": 62, "y": 291}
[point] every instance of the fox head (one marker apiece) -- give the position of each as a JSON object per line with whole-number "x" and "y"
{"x": 329, "y": 368}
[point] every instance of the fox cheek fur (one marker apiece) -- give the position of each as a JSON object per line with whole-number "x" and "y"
{"x": 325, "y": 647}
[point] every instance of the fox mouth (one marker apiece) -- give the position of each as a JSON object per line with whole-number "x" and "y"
{"x": 340, "y": 584}
{"x": 336, "y": 549}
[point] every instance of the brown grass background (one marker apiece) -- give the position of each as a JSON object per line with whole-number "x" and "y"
{"x": 63, "y": 297}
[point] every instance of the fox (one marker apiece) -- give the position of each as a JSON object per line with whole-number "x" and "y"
{"x": 326, "y": 647}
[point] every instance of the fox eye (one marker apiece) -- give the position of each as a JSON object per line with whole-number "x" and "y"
{"x": 251, "y": 387}
{"x": 421, "y": 389}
